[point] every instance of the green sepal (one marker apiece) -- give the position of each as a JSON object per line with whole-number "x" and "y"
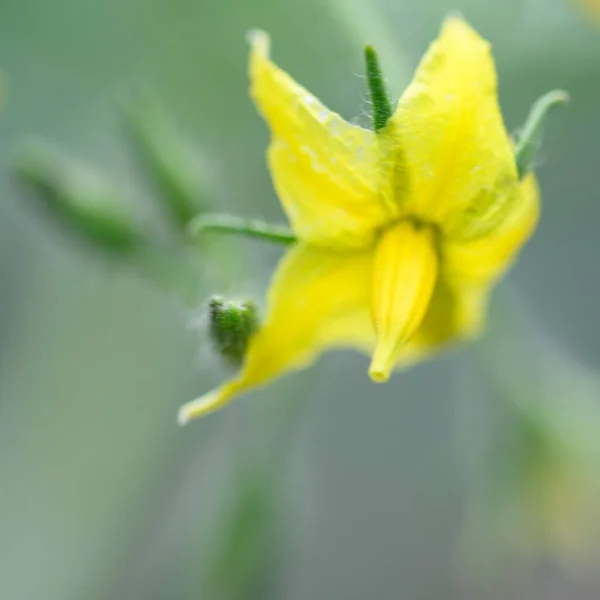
{"x": 382, "y": 107}
{"x": 530, "y": 139}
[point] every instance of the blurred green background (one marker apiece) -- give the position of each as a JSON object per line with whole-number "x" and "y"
{"x": 473, "y": 476}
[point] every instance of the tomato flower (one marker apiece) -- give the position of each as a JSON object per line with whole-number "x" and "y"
{"x": 401, "y": 232}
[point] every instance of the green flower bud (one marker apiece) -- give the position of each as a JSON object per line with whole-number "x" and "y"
{"x": 232, "y": 324}
{"x": 78, "y": 200}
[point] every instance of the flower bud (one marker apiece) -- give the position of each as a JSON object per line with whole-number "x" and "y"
{"x": 232, "y": 324}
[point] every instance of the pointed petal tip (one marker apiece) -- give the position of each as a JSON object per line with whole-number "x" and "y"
{"x": 454, "y": 16}
{"x": 194, "y": 410}
{"x": 182, "y": 417}
{"x": 454, "y": 21}
{"x": 259, "y": 40}
{"x": 208, "y": 403}
{"x": 456, "y": 25}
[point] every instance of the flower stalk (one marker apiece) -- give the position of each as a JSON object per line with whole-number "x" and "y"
{"x": 229, "y": 224}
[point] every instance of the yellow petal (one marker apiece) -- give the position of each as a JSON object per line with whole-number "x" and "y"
{"x": 454, "y": 315}
{"x": 469, "y": 270}
{"x": 324, "y": 169}
{"x": 209, "y": 403}
{"x": 458, "y": 160}
{"x": 404, "y": 275}
{"x": 318, "y": 299}
{"x": 458, "y": 309}
{"x": 482, "y": 261}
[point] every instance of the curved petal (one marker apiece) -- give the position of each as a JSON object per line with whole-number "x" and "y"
{"x": 469, "y": 270}
{"x": 318, "y": 300}
{"x": 455, "y": 315}
{"x": 325, "y": 170}
{"x": 482, "y": 261}
{"x": 458, "y": 160}
{"x": 459, "y": 305}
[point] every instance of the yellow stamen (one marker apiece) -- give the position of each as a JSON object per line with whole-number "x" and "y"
{"x": 404, "y": 275}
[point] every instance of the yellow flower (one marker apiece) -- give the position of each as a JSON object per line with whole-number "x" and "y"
{"x": 402, "y": 233}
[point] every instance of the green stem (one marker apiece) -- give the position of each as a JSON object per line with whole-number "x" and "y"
{"x": 382, "y": 107}
{"x": 530, "y": 138}
{"x": 237, "y": 225}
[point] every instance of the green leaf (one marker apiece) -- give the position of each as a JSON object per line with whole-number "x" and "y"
{"x": 171, "y": 161}
{"x": 78, "y": 200}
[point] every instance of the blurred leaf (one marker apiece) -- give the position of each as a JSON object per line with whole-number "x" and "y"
{"x": 537, "y": 485}
{"x": 78, "y": 200}
{"x": 170, "y": 160}
{"x": 592, "y": 9}
{"x": 244, "y": 558}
